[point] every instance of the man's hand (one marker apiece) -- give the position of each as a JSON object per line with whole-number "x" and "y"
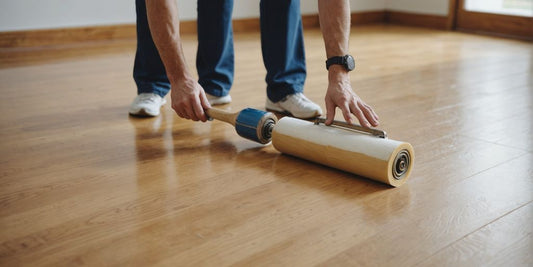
{"x": 189, "y": 100}
{"x": 340, "y": 94}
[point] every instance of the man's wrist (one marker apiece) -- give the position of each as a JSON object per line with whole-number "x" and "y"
{"x": 181, "y": 76}
{"x": 338, "y": 73}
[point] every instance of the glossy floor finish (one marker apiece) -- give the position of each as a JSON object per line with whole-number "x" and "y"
{"x": 82, "y": 183}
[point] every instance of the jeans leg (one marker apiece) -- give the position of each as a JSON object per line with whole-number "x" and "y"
{"x": 148, "y": 69}
{"x": 282, "y": 44}
{"x": 215, "y": 56}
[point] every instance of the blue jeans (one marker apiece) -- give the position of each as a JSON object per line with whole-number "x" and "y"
{"x": 281, "y": 43}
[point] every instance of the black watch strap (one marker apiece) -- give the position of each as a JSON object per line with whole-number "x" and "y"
{"x": 346, "y": 61}
{"x": 334, "y": 61}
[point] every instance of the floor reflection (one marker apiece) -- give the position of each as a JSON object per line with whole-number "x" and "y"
{"x": 183, "y": 160}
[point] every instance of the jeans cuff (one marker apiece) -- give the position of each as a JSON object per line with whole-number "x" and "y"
{"x": 277, "y": 93}
{"x": 160, "y": 89}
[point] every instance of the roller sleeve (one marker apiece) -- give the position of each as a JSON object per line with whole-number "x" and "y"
{"x": 384, "y": 160}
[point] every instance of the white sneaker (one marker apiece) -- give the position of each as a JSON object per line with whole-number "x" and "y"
{"x": 297, "y": 105}
{"x": 218, "y": 100}
{"x": 147, "y": 104}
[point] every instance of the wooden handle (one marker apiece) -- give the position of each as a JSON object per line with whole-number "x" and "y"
{"x": 222, "y": 115}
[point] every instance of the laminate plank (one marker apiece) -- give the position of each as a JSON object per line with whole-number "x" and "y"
{"x": 199, "y": 235}
{"x": 203, "y": 218}
{"x": 82, "y": 183}
{"x": 509, "y": 237}
{"x": 468, "y": 206}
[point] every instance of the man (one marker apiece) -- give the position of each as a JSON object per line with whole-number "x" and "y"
{"x": 285, "y": 73}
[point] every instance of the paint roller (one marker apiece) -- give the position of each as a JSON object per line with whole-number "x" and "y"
{"x": 348, "y": 147}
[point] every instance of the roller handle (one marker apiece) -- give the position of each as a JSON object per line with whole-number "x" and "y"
{"x": 222, "y": 115}
{"x": 355, "y": 127}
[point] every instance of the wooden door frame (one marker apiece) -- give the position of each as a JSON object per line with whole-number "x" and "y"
{"x": 487, "y": 23}
{"x": 452, "y": 14}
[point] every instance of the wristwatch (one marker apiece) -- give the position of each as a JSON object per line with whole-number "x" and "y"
{"x": 346, "y": 61}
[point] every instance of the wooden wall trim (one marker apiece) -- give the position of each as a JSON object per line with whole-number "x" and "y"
{"x": 65, "y": 35}
{"x": 49, "y": 37}
{"x": 452, "y": 14}
{"x": 502, "y": 25}
{"x": 419, "y": 20}
{"x": 494, "y": 24}
{"x": 368, "y": 17}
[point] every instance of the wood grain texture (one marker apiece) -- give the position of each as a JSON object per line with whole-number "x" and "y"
{"x": 82, "y": 183}
{"x": 50, "y": 37}
{"x": 506, "y": 241}
{"x": 222, "y": 115}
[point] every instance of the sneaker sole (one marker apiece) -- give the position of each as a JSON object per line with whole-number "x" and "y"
{"x": 142, "y": 113}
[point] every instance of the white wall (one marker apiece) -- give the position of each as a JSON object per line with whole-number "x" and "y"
{"x": 48, "y": 14}
{"x": 44, "y": 14}
{"x": 430, "y": 7}
{"x": 250, "y": 8}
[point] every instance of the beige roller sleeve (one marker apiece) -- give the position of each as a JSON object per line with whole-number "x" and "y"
{"x": 384, "y": 160}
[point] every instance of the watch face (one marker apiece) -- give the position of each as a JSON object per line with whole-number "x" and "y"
{"x": 350, "y": 62}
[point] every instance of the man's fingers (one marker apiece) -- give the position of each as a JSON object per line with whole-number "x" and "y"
{"x": 188, "y": 110}
{"x": 205, "y": 104}
{"x": 370, "y": 110}
{"x": 204, "y": 101}
{"x": 359, "y": 115}
{"x": 346, "y": 113}
{"x": 374, "y": 115}
{"x": 178, "y": 110}
{"x": 369, "y": 114}
{"x": 183, "y": 113}
{"x": 198, "y": 109}
{"x": 373, "y": 112}
{"x": 330, "y": 112}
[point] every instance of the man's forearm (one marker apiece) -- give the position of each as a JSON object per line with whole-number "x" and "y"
{"x": 163, "y": 20}
{"x": 334, "y": 18}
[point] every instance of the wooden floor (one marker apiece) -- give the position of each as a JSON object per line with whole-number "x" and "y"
{"x": 82, "y": 183}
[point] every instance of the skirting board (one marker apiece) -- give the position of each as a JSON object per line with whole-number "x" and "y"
{"x": 418, "y": 20}
{"x": 49, "y": 37}
{"x": 65, "y": 35}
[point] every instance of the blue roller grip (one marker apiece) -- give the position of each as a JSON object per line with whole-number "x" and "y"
{"x": 255, "y": 125}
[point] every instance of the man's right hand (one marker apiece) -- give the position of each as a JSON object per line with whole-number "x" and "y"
{"x": 189, "y": 100}
{"x": 340, "y": 94}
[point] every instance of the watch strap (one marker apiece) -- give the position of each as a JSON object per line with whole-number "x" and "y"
{"x": 338, "y": 60}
